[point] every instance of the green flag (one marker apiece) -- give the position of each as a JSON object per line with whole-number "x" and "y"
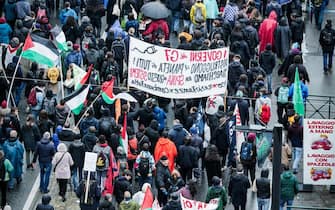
{"x": 297, "y": 95}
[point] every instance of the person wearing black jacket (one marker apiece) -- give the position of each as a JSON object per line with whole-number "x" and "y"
{"x": 235, "y": 69}
{"x": 243, "y": 106}
{"x": 267, "y": 61}
{"x": 122, "y": 184}
{"x": 220, "y": 139}
{"x": 238, "y": 188}
{"x": 162, "y": 179}
{"x": 297, "y": 28}
{"x": 153, "y": 134}
{"x": 263, "y": 190}
{"x": 327, "y": 42}
{"x": 187, "y": 158}
{"x": 45, "y": 205}
{"x": 77, "y": 151}
{"x": 249, "y": 164}
{"x": 297, "y": 63}
{"x": 145, "y": 115}
{"x": 174, "y": 203}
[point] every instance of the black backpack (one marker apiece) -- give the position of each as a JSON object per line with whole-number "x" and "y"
{"x": 249, "y": 38}
{"x": 144, "y": 166}
{"x": 2, "y": 169}
{"x": 327, "y": 37}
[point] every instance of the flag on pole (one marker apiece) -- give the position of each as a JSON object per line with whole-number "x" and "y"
{"x": 239, "y": 134}
{"x": 297, "y": 95}
{"x": 107, "y": 91}
{"x": 148, "y": 200}
{"x": 124, "y": 137}
{"x": 40, "y": 50}
{"x": 59, "y": 37}
{"x": 85, "y": 79}
{"x": 77, "y": 100}
{"x": 78, "y": 74}
{"x": 112, "y": 173}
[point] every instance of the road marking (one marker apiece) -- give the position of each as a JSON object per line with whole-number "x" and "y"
{"x": 32, "y": 194}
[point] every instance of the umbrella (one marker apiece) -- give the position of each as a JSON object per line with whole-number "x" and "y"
{"x": 155, "y": 10}
{"x": 126, "y": 97}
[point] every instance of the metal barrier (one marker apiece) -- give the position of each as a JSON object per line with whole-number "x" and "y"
{"x": 320, "y": 107}
{"x": 310, "y": 207}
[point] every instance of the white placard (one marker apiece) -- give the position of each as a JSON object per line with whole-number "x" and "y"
{"x": 187, "y": 204}
{"x": 174, "y": 73}
{"x": 319, "y": 152}
{"x": 90, "y": 162}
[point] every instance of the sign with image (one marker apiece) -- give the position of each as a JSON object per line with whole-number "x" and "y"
{"x": 319, "y": 152}
{"x": 173, "y": 73}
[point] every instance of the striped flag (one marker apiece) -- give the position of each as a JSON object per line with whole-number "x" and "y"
{"x": 40, "y": 50}
{"x": 124, "y": 137}
{"x": 239, "y": 135}
{"x": 148, "y": 200}
{"x": 59, "y": 37}
{"x": 77, "y": 100}
{"x": 85, "y": 79}
{"x": 107, "y": 91}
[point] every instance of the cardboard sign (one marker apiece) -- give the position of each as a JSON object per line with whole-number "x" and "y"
{"x": 173, "y": 73}
{"x": 90, "y": 161}
{"x": 319, "y": 151}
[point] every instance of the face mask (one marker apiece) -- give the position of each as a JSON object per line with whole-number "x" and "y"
{"x": 127, "y": 199}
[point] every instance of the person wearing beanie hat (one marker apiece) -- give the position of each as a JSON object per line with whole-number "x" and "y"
{"x": 217, "y": 191}
{"x": 187, "y": 158}
{"x": 238, "y": 188}
{"x": 14, "y": 150}
{"x": 267, "y": 61}
{"x": 162, "y": 176}
{"x": 327, "y": 42}
{"x": 174, "y": 203}
{"x": 248, "y": 155}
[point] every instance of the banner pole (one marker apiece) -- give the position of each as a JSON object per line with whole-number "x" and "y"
{"x": 12, "y": 82}
{"x": 83, "y": 115}
{"x": 87, "y": 185}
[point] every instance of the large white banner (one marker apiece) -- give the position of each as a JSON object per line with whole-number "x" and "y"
{"x": 187, "y": 204}
{"x": 319, "y": 152}
{"x": 173, "y": 73}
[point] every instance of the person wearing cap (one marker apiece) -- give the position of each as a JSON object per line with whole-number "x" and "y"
{"x": 174, "y": 203}
{"x": 217, "y": 191}
{"x": 162, "y": 179}
{"x": 248, "y": 156}
{"x": 238, "y": 188}
{"x": 267, "y": 61}
{"x": 282, "y": 99}
{"x": 14, "y": 150}
{"x": 327, "y": 42}
{"x": 45, "y": 152}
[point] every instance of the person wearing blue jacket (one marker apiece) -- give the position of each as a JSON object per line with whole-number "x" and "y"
{"x": 14, "y": 150}
{"x": 5, "y": 31}
{"x": 10, "y": 13}
{"x": 212, "y": 12}
{"x": 66, "y": 12}
{"x": 160, "y": 116}
{"x": 304, "y": 90}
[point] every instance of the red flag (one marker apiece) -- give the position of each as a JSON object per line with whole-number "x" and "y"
{"x": 85, "y": 79}
{"x": 112, "y": 173}
{"x": 28, "y": 43}
{"x": 148, "y": 200}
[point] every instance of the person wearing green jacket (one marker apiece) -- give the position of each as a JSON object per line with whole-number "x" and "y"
{"x": 288, "y": 188}
{"x": 5, "y": 169}
{"x": 217, "y": 191}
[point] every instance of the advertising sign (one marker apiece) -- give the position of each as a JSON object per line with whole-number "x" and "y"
{"x": 319, "y": 152}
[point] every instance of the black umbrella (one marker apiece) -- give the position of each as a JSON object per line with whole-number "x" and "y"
{"x": 155, "y": 10}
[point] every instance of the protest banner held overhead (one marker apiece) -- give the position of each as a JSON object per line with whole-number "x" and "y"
{"x": 173, "y": 73}
{"x": 319, "y": 152}
{"x": 187, "y": 204}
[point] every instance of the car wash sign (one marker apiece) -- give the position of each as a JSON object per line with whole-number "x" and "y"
{"x": 174, "y": 73}
{"x": 319, "y": 151}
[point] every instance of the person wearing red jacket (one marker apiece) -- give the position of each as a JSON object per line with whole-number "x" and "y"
{"x": 156, "y": 27}
{"x": 266, "y": 31}
{"x": 166, "y": 147}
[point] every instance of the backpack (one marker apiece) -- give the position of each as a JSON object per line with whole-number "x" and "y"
{"x": 265, "y": 113}
{"x": 248, "y": 35}
{"x": 85, "y": 42}
{"x": 144, "y": 166}
{"x": 199, "y": 18}
{"x": 49, "y": 105}
{"x": 32, "y": 100}
{"x": 327, "y": 37}
{"x": 246, "y": 151}
{"x": 2, "y": 170}
{"x": 102, "y": 160}
{"x": 283, "y": 95}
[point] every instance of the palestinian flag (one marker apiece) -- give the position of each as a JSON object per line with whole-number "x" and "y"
{"x": 40, "y": 50}
{"x": 59, "y": 37}
{"x": 78, "y": 74}
{"x": 85, "y": 78}
{"x": 112, "y": 173}
{"x": 10, "y": 53}
{"x": 239, "y": 135}
{"x": 148, "y": 200}
{"x": 76, "y": 100}
{"x": 123, "y": 141}
{"x": 107, "y": 91}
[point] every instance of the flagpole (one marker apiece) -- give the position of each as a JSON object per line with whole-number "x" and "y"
{"x": 83, "y": 115}
{"x": 61, "y": 75}
{"x": 12, "y": 82}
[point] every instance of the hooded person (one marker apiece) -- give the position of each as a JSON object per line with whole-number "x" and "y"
{"x": 177, "y": 133}
{"x": 152, "y": 133}
{"x": 263, "y": 185}
{"x": 5, "y": 31}
{"x": 283, "y": 37}
{"x": 128, "y": 203}
{"x": 266, "y": 31}
{"x": 217, "y": 191}
{"x": 106, "y": 203}
{"x": 174, "y": 203}
{"x": 289, "y": 187}
{"x": 248, "y": 155}
{"x": 282, "y": 99}
{"x": 45, "y": 205}
{"x": 77, "y": 151}
{"x": 166, "y": 147}
{"x": 55, "y": 136}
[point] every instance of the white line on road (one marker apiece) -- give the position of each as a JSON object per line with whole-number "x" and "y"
{"x": 32, "y": 194}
